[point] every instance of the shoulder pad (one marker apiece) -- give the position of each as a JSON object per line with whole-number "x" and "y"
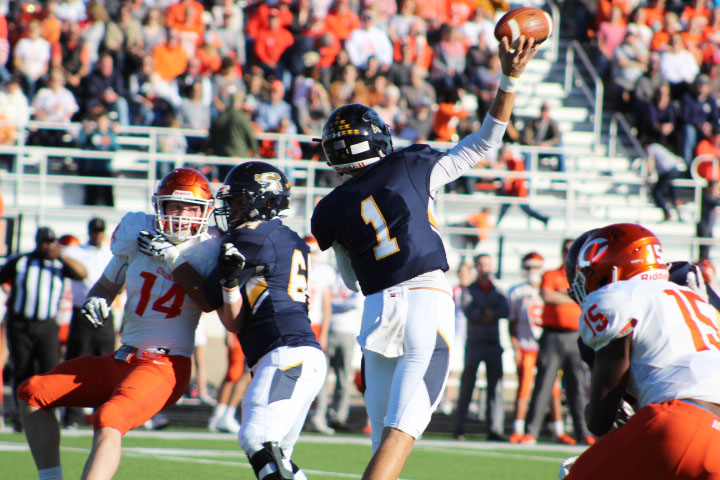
{"x": 124, "y": 238}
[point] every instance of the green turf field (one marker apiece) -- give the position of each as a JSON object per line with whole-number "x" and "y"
{"x": 198, "y": 455}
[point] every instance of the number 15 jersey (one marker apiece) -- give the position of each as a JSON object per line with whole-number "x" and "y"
{"x": 675, "y": 351}
{"x": 381, "y": 217}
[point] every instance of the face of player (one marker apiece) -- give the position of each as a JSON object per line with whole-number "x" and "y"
{"x": 179, "y": 211}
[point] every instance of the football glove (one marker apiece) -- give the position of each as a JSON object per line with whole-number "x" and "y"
{"x": 565, "y": 467}
{"x": 160, "y": 248}
{"x": 623, "y": 415}
{"x": 230, "y": 264}
{"x": 696, "y": 283}
{"x": 96, "y": 311}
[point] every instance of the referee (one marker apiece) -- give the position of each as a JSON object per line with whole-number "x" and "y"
{"x": 37, "y": 281}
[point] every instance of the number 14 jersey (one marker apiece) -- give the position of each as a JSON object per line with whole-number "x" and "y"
{"x": 675, "y": 352}
{"x": 157, "y": 313}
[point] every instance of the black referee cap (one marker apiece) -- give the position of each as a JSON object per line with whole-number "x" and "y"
{"x": 45, "y": 235}
{"x": 96, "y": 225}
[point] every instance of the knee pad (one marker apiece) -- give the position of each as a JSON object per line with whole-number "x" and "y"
{"x": 270, "y": 464}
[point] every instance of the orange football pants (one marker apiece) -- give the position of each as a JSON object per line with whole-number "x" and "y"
{"x": 526, "y": 375}
{"x": 236, "y": 359}
{"x": 670, "y": 440}
{"x": 125, "y": 395}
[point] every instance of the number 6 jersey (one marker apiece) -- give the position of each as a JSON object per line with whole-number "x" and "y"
{"x": 157, "y": 313}
{"x": 675, "y": 351}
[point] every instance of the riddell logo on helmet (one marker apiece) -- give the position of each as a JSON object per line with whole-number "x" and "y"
{"x": 592, "y": 252}
{"x": 182, "y": 193}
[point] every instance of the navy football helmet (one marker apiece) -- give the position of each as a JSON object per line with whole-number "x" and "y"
{"x": 354, "y": 137}
{"x": 252, "y": 191}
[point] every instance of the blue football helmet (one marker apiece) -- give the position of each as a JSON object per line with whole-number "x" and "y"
{"x": 354, "y": 137}
{"x": 252, "y": 191}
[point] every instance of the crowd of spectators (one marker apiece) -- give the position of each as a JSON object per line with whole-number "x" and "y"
{"x": 429, "y": 68}
{"x": 660, "y": 60}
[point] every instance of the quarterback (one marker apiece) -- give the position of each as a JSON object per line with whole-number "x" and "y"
{"x": 380, "y": 226}
{"x": 151, "y": 369}
{"x": 657, "y": 341}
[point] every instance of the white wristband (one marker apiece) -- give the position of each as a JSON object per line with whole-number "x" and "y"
{"x": 231, "y": 295}
{"x": 173, "y": 258}
{"x": 508, "y": 84}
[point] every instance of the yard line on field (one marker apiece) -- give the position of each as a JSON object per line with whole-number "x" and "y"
{"x": 517, "y": 455}
{"x": 192, "y": 456}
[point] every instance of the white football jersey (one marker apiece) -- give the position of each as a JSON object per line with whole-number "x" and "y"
{"x": 675, "y": 350}
{"x": 320, "y": 277}
{"x": 526, "y": 307}
{"x": 158, "y": 313}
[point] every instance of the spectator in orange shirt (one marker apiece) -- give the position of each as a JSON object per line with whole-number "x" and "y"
{"x": 516, "y": 186}
{"x": 434, "y": 12}
{"x": 51, "y": 25}
{"x": 170, "y": 58}
{"x": 655, "y": 15}
{"x": 260, "y": 19}
{"x": 448, "y": 115}
{"x": 698, "y": 8}
{"x": 341, "y": 21}
{"x": 671, "y": 26}
{"x": 270, "y": 44}
{"x": 186, "y": 16}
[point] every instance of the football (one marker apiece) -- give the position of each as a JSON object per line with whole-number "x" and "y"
{"x": 529, "y": 21}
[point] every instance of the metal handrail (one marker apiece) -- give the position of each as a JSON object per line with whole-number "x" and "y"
{"x": 555, "y": 38}
{"x": 618, "y": 119}
{"x": 572, "y": 78}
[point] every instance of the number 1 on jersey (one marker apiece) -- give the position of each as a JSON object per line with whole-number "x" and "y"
{"x": 371, "y": 214}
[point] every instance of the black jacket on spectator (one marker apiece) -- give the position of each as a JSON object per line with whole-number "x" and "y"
{"x": 96, "y": 83}
{"x": 696, "y": 111}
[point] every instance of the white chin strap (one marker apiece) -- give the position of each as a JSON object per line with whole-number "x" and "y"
{"x": 349, "y": 167}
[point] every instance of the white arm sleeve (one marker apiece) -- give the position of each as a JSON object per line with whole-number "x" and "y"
{"x": 468, "y": 152}
{"x": 116, "y": 269}
{"x": 344, "y": 266}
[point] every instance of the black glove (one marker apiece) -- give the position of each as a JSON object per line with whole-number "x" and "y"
{"x": 230, "y": 264}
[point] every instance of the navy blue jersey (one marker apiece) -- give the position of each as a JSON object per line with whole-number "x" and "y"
{"x": 381, "y": 218}
{"x": 277, "y": 296}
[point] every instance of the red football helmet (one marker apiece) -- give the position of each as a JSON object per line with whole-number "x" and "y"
{"x": 188, "y": 186}
{"x": 532, "y": 260}
{"x": 617, "y": 252}
{"x": 69, "y": 240}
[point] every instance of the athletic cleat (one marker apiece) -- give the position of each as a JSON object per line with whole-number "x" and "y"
{"x": 566, "y": 439}
{"x": 590, "y": 440}
{"x": 213, "y": 424}
{"x": 367, "y": 430}
{"x": 229, "y": 425}
{"x": 528, "y": 439}
{"x": 515, "y": 438}
{"x": 321, "y": 427}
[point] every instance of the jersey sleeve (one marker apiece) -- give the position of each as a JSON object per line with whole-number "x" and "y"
{"x": 606, "y": 316}
{"x": 323, "y": 235}
{"x": 124, "y": 238}
{"x": 116, "y": 269}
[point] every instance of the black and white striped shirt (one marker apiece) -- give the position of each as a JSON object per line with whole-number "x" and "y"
{"x": 37, "y": 286}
